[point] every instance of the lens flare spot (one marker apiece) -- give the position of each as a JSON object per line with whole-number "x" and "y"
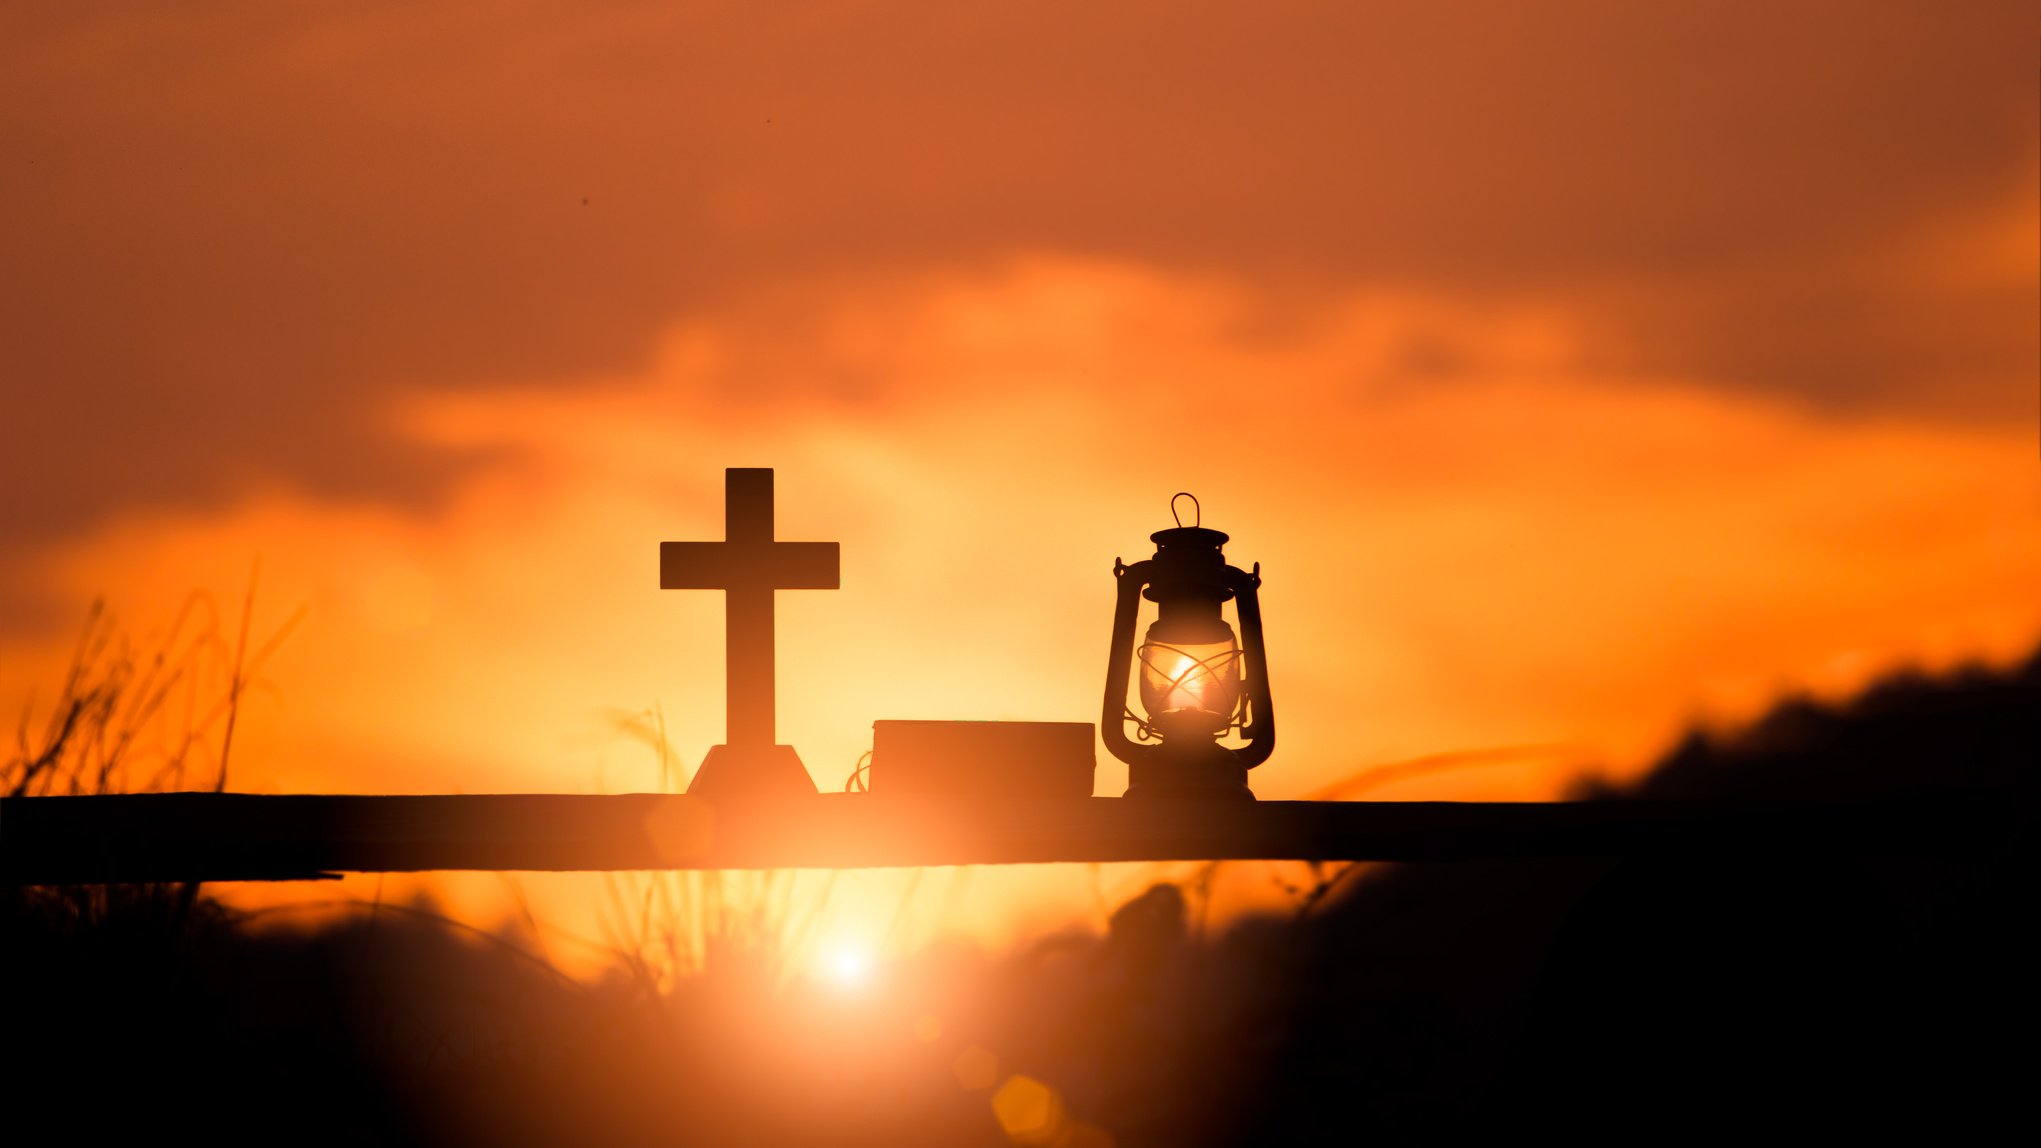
{"x": 928, "y": 1028}
{"x": 1029, "y": 1111}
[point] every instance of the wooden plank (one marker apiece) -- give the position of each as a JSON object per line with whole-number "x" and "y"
{"x": 241, "y": 837}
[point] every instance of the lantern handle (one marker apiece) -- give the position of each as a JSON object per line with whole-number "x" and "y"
{"x": 1197, "y": 512}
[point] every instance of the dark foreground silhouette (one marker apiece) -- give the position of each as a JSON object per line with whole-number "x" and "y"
{"x": 1647, "y": 1001}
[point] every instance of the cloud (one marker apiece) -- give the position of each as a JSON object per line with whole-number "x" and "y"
{"x": 238, "y": 239}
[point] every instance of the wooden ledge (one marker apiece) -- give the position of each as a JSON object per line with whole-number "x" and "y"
{"x": 242, "y": 837}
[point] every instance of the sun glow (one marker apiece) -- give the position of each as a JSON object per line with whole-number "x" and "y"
{"x": 847, "y": 965}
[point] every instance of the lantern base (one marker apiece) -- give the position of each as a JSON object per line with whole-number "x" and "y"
{"x": 743, "y": 772}
{"x": 1204, "y": 773}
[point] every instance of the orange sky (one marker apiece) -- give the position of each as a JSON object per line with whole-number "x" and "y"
{"x": 1573, "y": 370}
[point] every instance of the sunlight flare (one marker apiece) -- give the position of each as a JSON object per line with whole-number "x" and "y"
{"x": 848, "y": 965}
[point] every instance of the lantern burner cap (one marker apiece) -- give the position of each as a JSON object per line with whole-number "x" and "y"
{"x": 1188, "y": 538}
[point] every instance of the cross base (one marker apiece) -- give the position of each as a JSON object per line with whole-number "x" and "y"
{"x": 744, "y": 771}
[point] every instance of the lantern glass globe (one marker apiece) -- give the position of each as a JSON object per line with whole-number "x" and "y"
{"x": 1190, "y": 681}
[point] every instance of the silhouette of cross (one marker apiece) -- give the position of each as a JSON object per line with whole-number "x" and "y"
{"x": 748, "y": 565}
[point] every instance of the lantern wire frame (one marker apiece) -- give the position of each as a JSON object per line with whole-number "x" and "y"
{"x": 859, "y": 780}
{"x": 1211, "y": 666}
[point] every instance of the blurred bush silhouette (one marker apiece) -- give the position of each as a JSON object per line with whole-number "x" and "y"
{"x": 131, "y": 717}
{"x": 1600, "y": 999}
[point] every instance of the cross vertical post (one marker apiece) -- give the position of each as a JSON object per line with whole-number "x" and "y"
{"x": 748, "y": 566}
{"x": 750, "y": 639}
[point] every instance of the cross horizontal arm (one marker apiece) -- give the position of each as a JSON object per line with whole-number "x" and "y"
{"x": 238, "y": 837}
{"x": 748, "y": 565}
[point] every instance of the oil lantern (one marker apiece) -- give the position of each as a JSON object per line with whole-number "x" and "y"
{"x": 1198, "y": 683}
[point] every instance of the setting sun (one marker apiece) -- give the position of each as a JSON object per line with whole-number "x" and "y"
{"x": 848, "y": 965}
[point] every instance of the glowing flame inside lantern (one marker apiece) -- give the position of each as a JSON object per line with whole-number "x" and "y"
{"x": 1194, "y": 686}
